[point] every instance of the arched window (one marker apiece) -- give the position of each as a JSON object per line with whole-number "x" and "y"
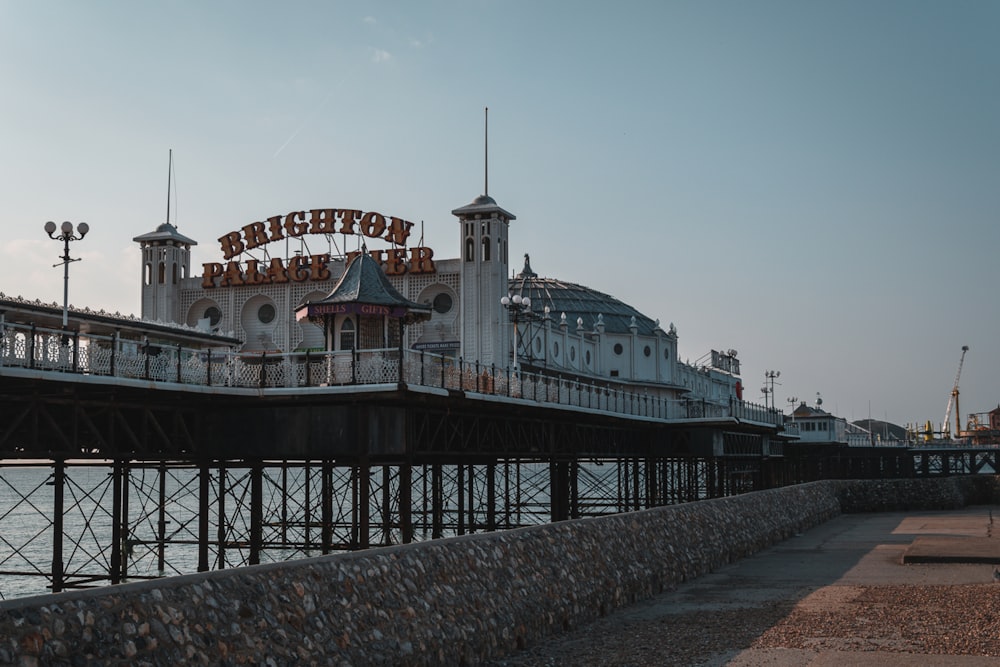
{"x": 347, "y": 334}
{"x": 175, "y": 273}
{"x": 162, "y": 271}
{"x": 486, "y": 248}
{"x": 470, "y": 248}
{"x": 148, "y": 274}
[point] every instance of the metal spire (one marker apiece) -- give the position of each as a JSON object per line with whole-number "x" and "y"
{"x": 486, "y": 151}
{"x": 170, "y": 168}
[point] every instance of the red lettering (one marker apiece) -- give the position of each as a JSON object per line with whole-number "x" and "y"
{"x": 253, "y": 274}
{"x": 372, "y": 225}
{"x": 395, "y": 263}
{"x": 399, "y": 231}
{"x": 323, "y": 221}
{"x": 348, "y": 216}
{"x": 296, "y": 229}
{"x": 421, "y": 260}
{"x": 276, "y": 271}
{"x": 231, "y": 245}
{"x": 209, "y": 273}
{"x": 233, "y": 277}
{"x": 274, "y": 223}
{"x": 296, "y": 272}
{"x": 254, "y": 234}
{"x": 318, "y": 267}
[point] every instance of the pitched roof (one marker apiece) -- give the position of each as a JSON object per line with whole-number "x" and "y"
{"x": 165, "y": 232}
{"x": 365, "y": 284}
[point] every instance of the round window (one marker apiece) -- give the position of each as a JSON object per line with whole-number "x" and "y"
{"x": 646, "y": 351}
{"x": 442, "y": 303}
{"x": 266, "y": 313}
{"x": 587, "y": 357}
{"x": 213, "y": 314}
{"x": 555, "y": 349}
{"x": 572, "y": 354}
{"x": 538, "y": 345}
{"x": 618, "y": 348}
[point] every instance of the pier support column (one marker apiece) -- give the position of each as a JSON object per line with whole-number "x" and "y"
{"x": 204, "y": 482}
{"x": 58, "y": 483}
{"x": 256, "y": 512}
{"x": 437, "y": 501}
{"x": 116, "y": 523}
{"x": 405, "y": 502}
{"x": 559, "y": 483}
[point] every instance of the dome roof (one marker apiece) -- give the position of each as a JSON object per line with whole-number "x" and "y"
{"x": 578, "y": 302}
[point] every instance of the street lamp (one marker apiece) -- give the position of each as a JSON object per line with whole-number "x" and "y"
{"x": 768, "y": 388}
{"x": 66, "y": 234}
{"x": 517, "y": 306}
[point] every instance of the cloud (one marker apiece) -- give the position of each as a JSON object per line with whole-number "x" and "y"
{"x": 370, "y": 20}
{"x": 381, "y": 56}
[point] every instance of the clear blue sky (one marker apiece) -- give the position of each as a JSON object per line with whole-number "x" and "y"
{"x": 815, "y": 184}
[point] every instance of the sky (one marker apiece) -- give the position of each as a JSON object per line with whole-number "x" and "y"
{"x": 813, "y": 184}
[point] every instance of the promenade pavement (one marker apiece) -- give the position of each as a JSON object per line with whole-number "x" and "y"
{"x": 840, "y": 594}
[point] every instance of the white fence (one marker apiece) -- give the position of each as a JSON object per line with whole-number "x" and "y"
{"x": 38, "y": 348}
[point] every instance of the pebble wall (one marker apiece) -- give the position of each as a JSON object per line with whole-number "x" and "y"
{"x": 448, "y": 602}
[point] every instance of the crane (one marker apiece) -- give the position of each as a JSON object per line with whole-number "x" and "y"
{"x": 953, "y": 400}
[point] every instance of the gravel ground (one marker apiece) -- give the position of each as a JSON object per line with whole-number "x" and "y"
{"x": 961, "y": 620}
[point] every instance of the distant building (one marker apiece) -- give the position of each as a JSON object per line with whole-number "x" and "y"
{"x": 816, "y": 426}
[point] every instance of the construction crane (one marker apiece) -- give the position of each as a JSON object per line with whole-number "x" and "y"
{"x": 953, "y": 400}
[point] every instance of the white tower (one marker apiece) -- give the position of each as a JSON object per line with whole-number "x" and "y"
{"x": 166, "y": 261}
{"x": 486, "y": 332}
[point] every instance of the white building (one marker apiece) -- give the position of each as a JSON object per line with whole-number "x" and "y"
{"x": 269, "y": 268}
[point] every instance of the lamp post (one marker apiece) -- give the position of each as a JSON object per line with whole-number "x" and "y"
{"x": 66, "y": 234}
{"x": 517, "y": 306}
{"x": 768, "y": 388}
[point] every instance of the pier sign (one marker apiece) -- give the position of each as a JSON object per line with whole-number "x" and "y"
{"x": 396, "y": 260}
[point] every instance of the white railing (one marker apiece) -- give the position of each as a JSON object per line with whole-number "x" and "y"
{"x": 47, "y": 349}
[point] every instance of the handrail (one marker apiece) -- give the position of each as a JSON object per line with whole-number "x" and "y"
{"x": 29, "y": 346}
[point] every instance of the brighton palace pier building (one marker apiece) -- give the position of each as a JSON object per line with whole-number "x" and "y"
{"x": 282, "y": 284}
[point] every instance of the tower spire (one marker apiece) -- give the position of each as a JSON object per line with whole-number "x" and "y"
{"x": 170, "y": 169}
{"x": 486, "y": 151}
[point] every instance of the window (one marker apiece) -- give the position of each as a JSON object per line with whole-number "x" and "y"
{"x": 442, "y": 303}
{"x": 618, "y": 348}
{"x": 587, "y": 358}
{"x": 555, "y": 349}
{"x": 265, "y": 313}
{"x": 213, "y": 314}
{"x": 646, "y": 351}
{"x": 666, "y": 354}
{"x": 572, "y": 353}
{"x": 347, "y": 335}
{"x": 486, "y": 248}
{"x": 470, "y": 247}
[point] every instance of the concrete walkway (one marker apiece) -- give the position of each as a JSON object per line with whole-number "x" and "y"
{"x": 838, "y": 595}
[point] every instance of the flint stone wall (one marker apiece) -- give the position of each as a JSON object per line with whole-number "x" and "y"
{"x": 453, "y": 601}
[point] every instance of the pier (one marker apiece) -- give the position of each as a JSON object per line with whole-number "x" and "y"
{"x": 154, "y": 452}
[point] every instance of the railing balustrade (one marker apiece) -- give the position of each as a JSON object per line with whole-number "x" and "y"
{"x": 54, "y": 350}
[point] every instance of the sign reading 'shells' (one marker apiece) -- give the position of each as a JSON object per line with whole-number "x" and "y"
{"x": 397, "y": 260}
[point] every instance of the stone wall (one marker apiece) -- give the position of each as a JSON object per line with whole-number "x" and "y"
{"x": 454, "y": 601}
